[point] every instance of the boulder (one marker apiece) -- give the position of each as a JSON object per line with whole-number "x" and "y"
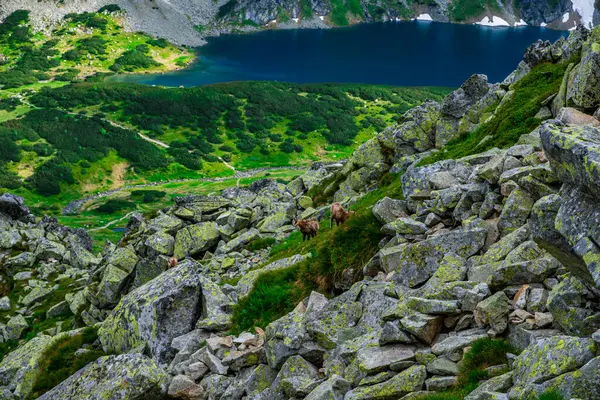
{"x": 155, "y": 313}
{"x": 333, "y": 388}
{"x": 584, "y": 88}
{"x": 13, "y": 206}
{"x": 387, "y": 210}
{"x": 122, "y": 377}
{"x": 297, "y": 378}
{"x": 407, "y": 381}
{"x": 548, "y": 358}
{"x": 195, "y": 239}
{"x": 415, "y": 263}
{"x": 571, "y": 116}
{"x": 493, "y": 312}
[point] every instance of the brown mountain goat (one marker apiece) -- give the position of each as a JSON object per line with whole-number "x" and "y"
{"x": 308, "y": 227}
{"x": 338, "y": 214}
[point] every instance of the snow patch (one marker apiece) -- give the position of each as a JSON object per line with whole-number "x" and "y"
{"x": 495, "y": 21}
{"x": 295, "y": 20}
{"x": 424, "y": 17}
{"x": 543, "y": 24}
{"x": 321, "y": 17}
{"x": 565, "y": 17}
{"x": 585, "y": 9}
{"x": 520, "y": 23}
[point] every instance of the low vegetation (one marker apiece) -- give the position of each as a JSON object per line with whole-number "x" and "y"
{"x": 334, "y": 251}
{"x": 64, "y": 359}
{"x": 515, "y": 118}
{"x": 482, "y": 354}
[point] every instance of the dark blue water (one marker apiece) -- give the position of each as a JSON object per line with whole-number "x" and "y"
{"x": 394, "y": 53}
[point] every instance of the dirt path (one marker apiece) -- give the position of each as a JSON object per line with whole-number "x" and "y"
{"x": 111, "y": 223}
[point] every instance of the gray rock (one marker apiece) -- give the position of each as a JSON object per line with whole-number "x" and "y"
{"x": 125, "y": 376}
{"x": 407, "y": 381}
{"x": 387, "y": 210}
{"x": 376, "y": 359}
{"x": 182, "y": 387}
{"x": 333, "y": 388}
{"x": 493, "y": 312}
{"x": 297, "y": 378}
{"x": 155, "y": 313}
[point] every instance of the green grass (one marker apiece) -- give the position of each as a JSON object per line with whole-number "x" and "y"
{"x": 305, "y": 9}
{"x": 334, "y": 250}
{"x": 59, "y": 362}
{"x": 260, "y": 244}
{"x": 464, "y": 10}
{"x": 551, "y": 395}
{"x": 515, "y": 118}
{"x": 339, "y": 13}
{"x": 483, "y": 353}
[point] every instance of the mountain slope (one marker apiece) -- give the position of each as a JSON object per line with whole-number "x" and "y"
{"x": 188, "y": 22}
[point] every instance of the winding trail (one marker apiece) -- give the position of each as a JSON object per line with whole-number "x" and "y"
{"x": 111, "y": 223}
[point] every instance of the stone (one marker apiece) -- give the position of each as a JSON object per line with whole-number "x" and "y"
{"x": 392, "y": 333}
{"x": 425, "y": 327}
{"x": 442, "y": 366}
{"x": 407, "y": 381}
{"x": 456, "y": 343}
{"x": 36, "y": 294}
{"x": 20, "y": 368}
{"x": 13, "y": 206}
{"x": 161, "y": 243}
{"x": 571, "y": 116}
{"x": 429, "y": 306}
{"x": 548, "y": 358}
{"x": 15, "y": 327}
{"x": 182, "y": 387}
{"x": 195, "y": 239}
{"x": 583, "y": 89}
{"x": 155, "y": 313}
{"x": 376, "y": 359}
{"x": 111, "y": 286}
{"x": 499, "y": 383}
{"x": 240, "y": 241}
{"x": 515, "y": 212}
{"x": 493, "y": 312}
{"x": 566, "y": 303}
{"x": 123, "y": 258}
{"x": 387, "y": 210}
{"x": 5, "y": 304}
{"x": 438, "y": 383}
{"x": 415, "y": 263}
{"x": 404, "y": 226}
{"x": 126, "y": 376}
{"x": 297, "y": 378}
{"x": 333, "y": 388}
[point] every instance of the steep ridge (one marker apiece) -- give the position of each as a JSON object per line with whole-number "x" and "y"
{"x": 189, "y": 22}
{"x": 473, "y": 277}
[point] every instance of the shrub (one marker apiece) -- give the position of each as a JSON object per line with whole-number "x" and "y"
{"x": 114, "y": 205}
{"x": 551, "y": 395}
{"x": 133, "y": 60}
{"x": 60, "y": 361}
{"x": 110, "y": 8}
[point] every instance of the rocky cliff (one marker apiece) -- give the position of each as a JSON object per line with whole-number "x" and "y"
{"x": 485, "y": 283}
{"x": 188, "y": 22}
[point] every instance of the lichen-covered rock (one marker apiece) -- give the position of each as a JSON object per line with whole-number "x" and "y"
{"x": 404, "y": 226}
{"x": 583, "y": 383}
{"x": 415, "y": 263}
{"x": 547, "y": 359}
{"x": 566, "y": 302}
{"x": 407, "y": 381}
{"x": 195, "y": 239}
{"x": 122, "y": 377}
{"x": 155, "y": 313}
{"x": 182, "y": 387}
{"x": 161, "y": 243}
{"x": 387, "y": 210}
{"x": 515, "y": 212}
{"x": 297, "y": 378}
{"x": 240, "y": 241}
{"x": 584, "y": 88}
{"x": 496, "y": 384}
{"x": 216, "y": 307}
{"x": 376, "y": 359}
{"x": 333, "y": 388}
{"x": 109, "y": 289}
{"x": 425, "y": 327}
{"x": 493, "y": 311}
{"x": 19, "y": 369}
{"x": 124, "y": 258}
{"x": 274, "y": 221}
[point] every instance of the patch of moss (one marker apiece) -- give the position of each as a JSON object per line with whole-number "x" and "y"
{"x": 60, "y": 361}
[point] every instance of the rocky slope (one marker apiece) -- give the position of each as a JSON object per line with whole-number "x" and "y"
{"x": 188, "y": 22}
{"x": 498, "y": 248}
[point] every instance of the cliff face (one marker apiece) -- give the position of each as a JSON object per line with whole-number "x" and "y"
{"x": 189, "y": 21}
